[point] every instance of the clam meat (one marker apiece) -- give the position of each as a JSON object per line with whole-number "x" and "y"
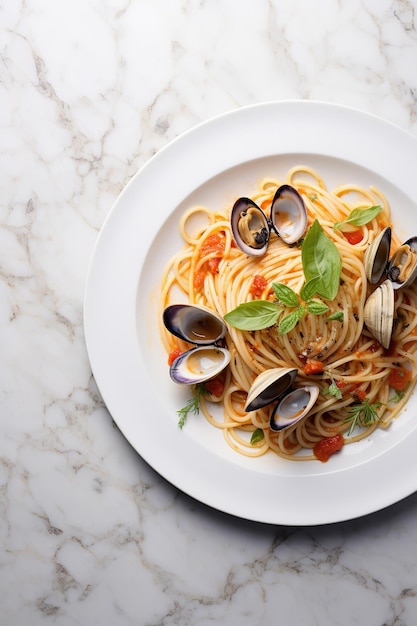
{"x": 250, "y": 227}
{"x": 402, "y": 268}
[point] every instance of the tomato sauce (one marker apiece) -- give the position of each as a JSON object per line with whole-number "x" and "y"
{"x": 353, "y": 236}
{"x": 258, "y": 285}
{"x": 324, "y": 448}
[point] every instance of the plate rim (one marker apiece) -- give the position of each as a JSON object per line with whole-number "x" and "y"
{"x": 93, "y": 326}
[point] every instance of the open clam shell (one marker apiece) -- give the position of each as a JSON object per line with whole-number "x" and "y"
{"x": 269, "y": 386}
{"x": 250, "y": 227}
{"x": 199, "y": 364}
{"x": 294, "y": 406}
{"x": 377, "y": 255}
{"x": 288, "y": 214}
{"x": 194, "y": 324}
{"x": 379, "y": 313}
{"x": 402, "y": 268}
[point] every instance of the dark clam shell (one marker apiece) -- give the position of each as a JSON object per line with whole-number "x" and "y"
{"x": 194, "y": 324}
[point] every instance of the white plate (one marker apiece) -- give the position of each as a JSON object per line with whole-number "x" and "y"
{"x": 211, "y": 164}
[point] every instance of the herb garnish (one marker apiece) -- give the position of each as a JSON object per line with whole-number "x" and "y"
{"x": 257, "y": 435}
{"x": 193, "y": 405}
{"x": 363, "y": 414}
{"x": 333, "y": 390}
{"x": 322, "y": 266}
{"x": 260, "y": 314}
{"x": 359, "y": 217}
{"x": 398, "y": 395}
{"x": 338, "y": 316}
{"x": 321, "y": 262}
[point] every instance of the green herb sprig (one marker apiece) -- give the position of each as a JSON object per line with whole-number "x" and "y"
{"x": 193, "y": 405}
{"x": 363, "y": 414}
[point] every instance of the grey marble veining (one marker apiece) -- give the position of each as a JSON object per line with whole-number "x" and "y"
{"x": 89, "y": 533}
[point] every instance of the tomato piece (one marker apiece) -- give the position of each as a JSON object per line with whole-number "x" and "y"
{"x": 173, "y": 355}
{"x": 199, "y": 279}
{"x": 341, "y": 384}
{"x": 213, "y": 264}
{"x": 214, "y": 243}
{"x": 258, "y": 285}
{"x": 328, "y": 446}
{"x": 312, "y": 366}
{"x": 374, "y": 348}
{"x": 215, "y": 386}
{"x": 399, "y": 378}
{"x": 359, "y": 395}
{"x": 353, "y": 236}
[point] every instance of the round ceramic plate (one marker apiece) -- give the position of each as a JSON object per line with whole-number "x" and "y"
{"x": 212, "y": 164}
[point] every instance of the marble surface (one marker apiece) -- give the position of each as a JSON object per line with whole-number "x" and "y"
{"x": 89, "y": 91}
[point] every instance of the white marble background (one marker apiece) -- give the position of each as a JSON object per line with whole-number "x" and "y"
{"x": 89, "y": 90}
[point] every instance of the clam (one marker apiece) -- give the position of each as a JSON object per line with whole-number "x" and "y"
{"x": 376, "y": 256}
{"x": 400, "y": 271}
{"x": 203, "y": 328}
{"x": 251, "y": 228}
{"x": 294, "y": 406}
{"x": 195, "y": 324}
{"x": 292, "y": 403}
{"x": 402, "y": 268}
{"x": 199, "y": 364}
{"x": 379, "y": 313}
{"x": 288, "y": 214}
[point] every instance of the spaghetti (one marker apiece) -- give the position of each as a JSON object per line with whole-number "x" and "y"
{"x": 334, "y": 349}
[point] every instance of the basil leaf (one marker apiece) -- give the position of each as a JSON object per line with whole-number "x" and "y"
{"x": 338, "y": 316}
{"x": 291, "y": 320}
{"x": 309, "y": 289}
{"x": 257, "y": 435}
{"x": 316, "y": 308}
{"x": 359, "y": 217}
{"x": 321, "y": 259}
{"x": 254, "y": 315}
{"x": 285, "y": 294}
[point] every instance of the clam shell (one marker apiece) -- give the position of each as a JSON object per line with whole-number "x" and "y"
{"x": 376, "y": 256}
{"x": 402, "y": 268}
{"x": 199, "y": 364}
{"x": 250, "y": 227}
{"x": 379, "y": 313}
{"x": 288, "y": 214}
{"x": 294, "y": 406}
{"x": 269, "y": 386}
{"x": 194, "y": 324}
